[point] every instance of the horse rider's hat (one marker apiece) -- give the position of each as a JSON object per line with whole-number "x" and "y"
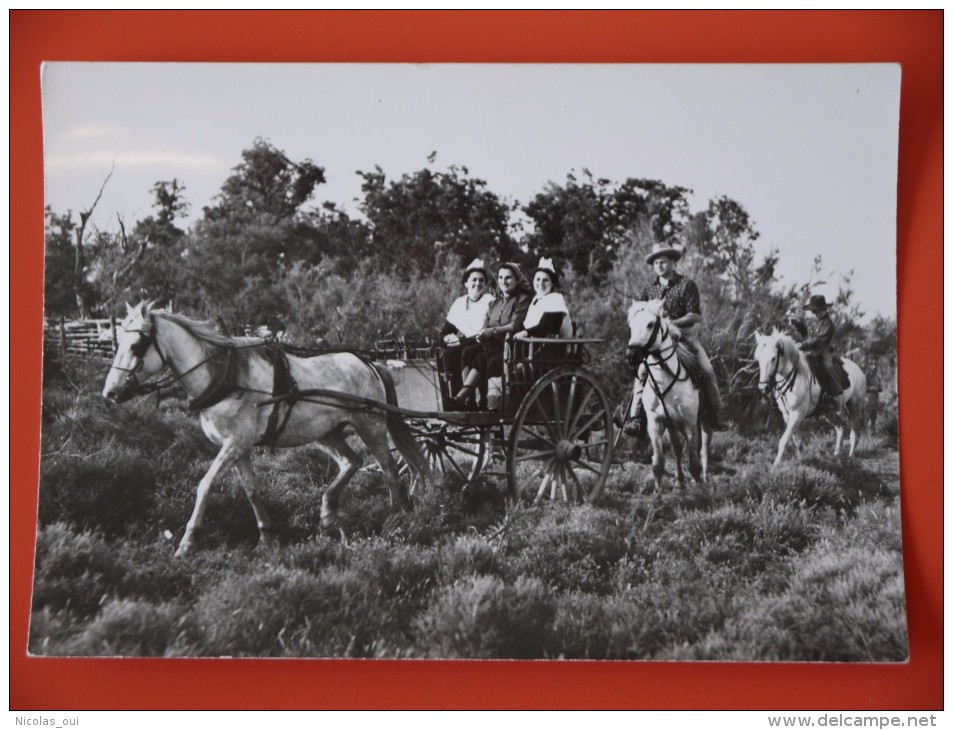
{"x": 476, "y": 265}
{"x": 817, "y": 303}
{"x": 546, "y": 266}
{"x": 663, "y": 249}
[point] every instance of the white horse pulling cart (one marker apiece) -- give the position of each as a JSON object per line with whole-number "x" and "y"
{"x": 550, "y": 425}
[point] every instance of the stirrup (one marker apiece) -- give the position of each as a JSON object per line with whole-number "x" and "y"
{"x": 632, "y": 425}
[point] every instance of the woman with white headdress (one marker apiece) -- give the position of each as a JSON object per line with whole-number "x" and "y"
{"x": 548, "y": 315}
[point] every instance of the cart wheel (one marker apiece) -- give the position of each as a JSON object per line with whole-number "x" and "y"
{"x": 458, "y": 452}
{"x": 561, "y": 441}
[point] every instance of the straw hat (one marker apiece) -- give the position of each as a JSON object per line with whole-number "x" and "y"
{"x": 663, "y": 249}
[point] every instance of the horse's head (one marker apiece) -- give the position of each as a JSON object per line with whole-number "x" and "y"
{"x": 136, "y": 354}
{"x": 769, "y": 354}
{"x": 646, "y": 330}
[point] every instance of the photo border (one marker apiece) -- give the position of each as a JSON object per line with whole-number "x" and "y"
{"x": 911, "y": 38}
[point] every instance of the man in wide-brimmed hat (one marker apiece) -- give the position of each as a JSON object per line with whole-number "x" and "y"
{"x": 819, "y": 348}
{"x": 682, "y": 307}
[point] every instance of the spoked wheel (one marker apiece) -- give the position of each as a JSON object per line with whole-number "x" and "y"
{"x": 560, "y": 445}
{"x": 458, "y": 452}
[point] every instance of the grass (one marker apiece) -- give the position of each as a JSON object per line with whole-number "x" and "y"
{"x": 798, "y": 563}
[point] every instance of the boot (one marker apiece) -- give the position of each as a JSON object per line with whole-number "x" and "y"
{"x": 632, "y": 426}
{"x": 713, "y": 408}
{"x": 826, "y": 404}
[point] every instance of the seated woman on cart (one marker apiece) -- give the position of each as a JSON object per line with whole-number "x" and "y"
{"x": 466, "y": 319}
{"x": 467, "y": 314}
{"x": 484, "y": 360}
{"x": 548, "y": 315}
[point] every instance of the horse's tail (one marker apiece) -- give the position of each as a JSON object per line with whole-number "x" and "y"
{"x": 401, "y": 434}
{"x": 858, "y": 396}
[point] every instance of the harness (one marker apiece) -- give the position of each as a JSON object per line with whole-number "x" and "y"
{"x": 284, "y": 386}
{"x": 779, "y": 390}
{"x": 661, "y": 360}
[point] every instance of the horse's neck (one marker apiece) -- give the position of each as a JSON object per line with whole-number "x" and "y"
{"x": 798, "y": 373}
{"x": 186, "y": 355}
{"x": 664, "y": 365}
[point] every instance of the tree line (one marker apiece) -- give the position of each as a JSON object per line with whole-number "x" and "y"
{"x": 265, "y": 251}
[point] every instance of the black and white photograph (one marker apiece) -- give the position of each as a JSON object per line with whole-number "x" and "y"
{"x": 450, "y": 361}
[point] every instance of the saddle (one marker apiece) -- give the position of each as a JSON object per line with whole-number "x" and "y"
{"x": 829, "y": 371}
{"x": 689, "y": 361}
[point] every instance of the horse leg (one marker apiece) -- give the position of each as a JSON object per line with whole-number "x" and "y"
{"x": 374, "y": 435}
{"x": 796, "y": 440}
{"x": 656, "y": 432}
{"x": 250, "y": 483}
{"x": 704, "y": 452}
{"x": 692, "y": 438}
{"x": 839, "y": 435}
{"x": 855, "y": 415}
{"x": 227, "y": 456}
{"x": 677, "y": 443}
{"x": 793, "y": 420}
{"x": 335, "y": 445}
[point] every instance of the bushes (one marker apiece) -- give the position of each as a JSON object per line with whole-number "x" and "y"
{"x": 288, "y": 612}
{"x": 485, "y": 618}
{"x": 73, "y": 571}
{"x": 108, "y": 490}
{"x": 843, "y": 604}
{"x": 801, "y": 562}
{"x": 128, "y": 628}
{"x": 570, "y": 548}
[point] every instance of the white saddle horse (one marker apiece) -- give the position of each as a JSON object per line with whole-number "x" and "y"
{"x": 786, "y": 375}
{"x": 670, "y": 399}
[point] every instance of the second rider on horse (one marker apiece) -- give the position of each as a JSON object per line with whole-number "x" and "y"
{"x": 819, "y": 349}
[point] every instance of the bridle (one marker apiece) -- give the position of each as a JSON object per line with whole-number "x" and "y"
{"x": 139, "y": 349}
{"x": 787, "y": 383}
{"x": 660, "y": 360}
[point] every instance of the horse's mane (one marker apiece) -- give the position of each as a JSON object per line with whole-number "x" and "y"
{"x": 788, "y": 345}
{"x": 204, "y": 331}
{"x": 637, "y": 307}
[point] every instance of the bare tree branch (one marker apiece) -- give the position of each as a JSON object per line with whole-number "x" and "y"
{"x": 79, "y": 265}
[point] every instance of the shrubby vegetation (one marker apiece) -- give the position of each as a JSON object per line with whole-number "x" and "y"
{"x": 266, "y": 252}
{"x": 800, "y": 563}
{"x": 796, "y": 563}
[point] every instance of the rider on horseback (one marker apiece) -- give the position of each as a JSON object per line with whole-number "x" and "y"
{"x": 820, "y": 353}
{"x": 682, "y": 307}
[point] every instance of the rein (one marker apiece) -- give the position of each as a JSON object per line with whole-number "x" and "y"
{"x": 786, "y": 384}
{"x": 147, "y": 339}
{"x": 661, "y": 360}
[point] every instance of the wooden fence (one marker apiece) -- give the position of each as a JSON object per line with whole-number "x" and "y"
{"x": 84, "y": 337}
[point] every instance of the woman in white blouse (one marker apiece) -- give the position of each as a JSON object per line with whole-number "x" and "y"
{"x": 548, "y": 315}
{"x": 465, "y": 320}
{"x": 468, "y": 313}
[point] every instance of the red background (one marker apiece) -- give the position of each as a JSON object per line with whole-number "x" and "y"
{"x": 914, "y": 39}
